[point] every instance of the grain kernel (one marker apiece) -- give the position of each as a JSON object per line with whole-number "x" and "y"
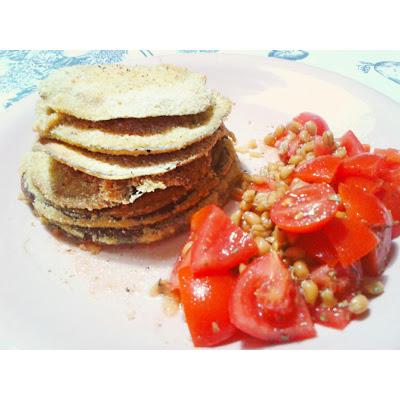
{"x": 328, "y": 298}
{"x": 286, "y": 171}
{"x": 251, "y": 218}
{"x": 269, "y": 139}
{"x": 358, "y": 304}
{"x": 263, "y": 246}
{"x": 310, "y": 291}
{"x": 236, "y": 217}
{"x": 311, "y": 127}
{"x": 245, "y": 206}
{"x": 373, "y": 286}
{"x": 249, "y": 195}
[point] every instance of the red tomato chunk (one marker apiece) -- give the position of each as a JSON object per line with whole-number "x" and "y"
{"x": 365, "y": 164}
{"x": 205, "y": 302}
{"x": 265, "y": 303}
{"x": 218, "y": 244}
{"x": 321, "y": 124}
{"x": 351, "y": 239}
{"x": 305, "y": 209}
{"x": 319, "y": 170}
{"x": 352, "y": 144}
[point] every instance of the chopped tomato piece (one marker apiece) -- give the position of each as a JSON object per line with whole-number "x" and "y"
{"x": 368, "y": 185}
{"x": 265, "y": 303}
{"x": 318, "y": 247}
{"x": 321, "y": 124}
{"x": 366, "y": 147}
{"x": 390, "y": 174}
{"x": 351, "y": 239}
{"x": 305, "y": 209}
{"x": 343, "y": 281}
{"x": 395, "y": 230}
{"x": 389, "y": 194}
{"x": 262, "y": 187}
{"x": 375, "y": 262}
{"x": 363, "y": 206}
{"x": 286, "y": 152}
{"x": 391, "y": 156}
{"x": 335, "y": 317}
{"x": 218, "y": 244}
{"x": 352, "y": 144}
{"x": 319, "y": 170}
{"x": 205, "y": 302}
{"x": 365, "y": 164}
{"x": 320, "y": 148}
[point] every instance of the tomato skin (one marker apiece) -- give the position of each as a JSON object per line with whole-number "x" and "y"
{"x": 390, "y": 174}
{"x": 395, "y": 230}
{"x": 353, "y": 146}
{"x": 205, "y": 302}
{"x": 352, "y": 240}
{"x": 218, "y": 244}
{"x": 366, "y": 184}
{"x": 363, "y": 206}
{"x": 391, "y": 156}
{"x": 366, "y": 147}
{"x": 262, "y": 187}
{"x": 375, "y": 262}
{"x": 319, "y": 170}
{"x": 268, "y": 271}
{"x": 364, "y": 164}
{"x": 306, "y": 209}
{"x": 317, "y": 246}
{"x": 389, "y": 194}
{"x": 321, "y": 124}
{"x": 335, "y": 317}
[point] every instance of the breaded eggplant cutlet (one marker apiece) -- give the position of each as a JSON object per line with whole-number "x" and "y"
{"x": 127, "y": 154}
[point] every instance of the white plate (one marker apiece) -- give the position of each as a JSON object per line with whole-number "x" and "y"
{"x": 53, "y": 295}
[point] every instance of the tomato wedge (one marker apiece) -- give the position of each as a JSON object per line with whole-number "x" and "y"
{"x": 218, "y": 244}
{"x": 363, "y": 206}
{"x": 351, "y": 239}
{"x": 368, "y": 185}
{"x": 265, "y": 303}
{"x": 321, "y": 124}
{"x": 352, "y": 144}
{"x": 365, "y": 164}
{"x": 319, "y": 170}
{"x": 317, "y": 247}
{"x": 205, "y": 302}
{"x": 305, "y": 209}
{"x": 334, "y": 317}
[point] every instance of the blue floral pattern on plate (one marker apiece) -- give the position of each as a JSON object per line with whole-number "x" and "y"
{"x": 388, "y": 69}
{"x": 292, "y": 55}
{"x": 22, "y": 69}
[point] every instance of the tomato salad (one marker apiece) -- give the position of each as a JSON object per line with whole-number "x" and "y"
{"x": 308, "y": 244}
